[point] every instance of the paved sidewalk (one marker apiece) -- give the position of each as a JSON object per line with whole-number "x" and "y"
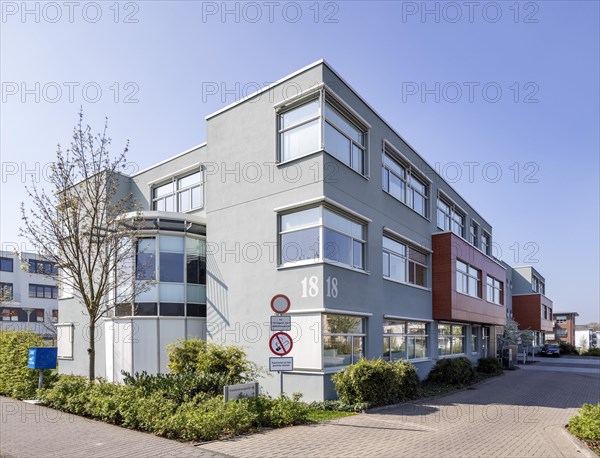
{"x": 520, "y": 414}
{"x": 34, "y": 431}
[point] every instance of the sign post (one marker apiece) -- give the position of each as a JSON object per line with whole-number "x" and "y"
{"x": 281, "y": 343}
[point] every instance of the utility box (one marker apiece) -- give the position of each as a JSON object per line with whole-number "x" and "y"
{"x": 42, "y": 357}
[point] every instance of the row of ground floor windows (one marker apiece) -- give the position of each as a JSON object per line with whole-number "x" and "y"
{"x": 344, "y": 339}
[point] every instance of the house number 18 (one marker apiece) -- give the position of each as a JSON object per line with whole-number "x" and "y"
{"x": 310, "y": 286}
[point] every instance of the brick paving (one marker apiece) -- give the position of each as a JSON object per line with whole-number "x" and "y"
{"x": 28, "y": 430}
{"x": 520, "y": 414}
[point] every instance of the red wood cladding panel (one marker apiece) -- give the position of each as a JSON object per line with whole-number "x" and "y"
{"x": 527, "y": 311}
{"x": 448, "y": 304}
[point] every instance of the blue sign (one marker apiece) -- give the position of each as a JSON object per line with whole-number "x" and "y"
{"x": 42, "y": 357}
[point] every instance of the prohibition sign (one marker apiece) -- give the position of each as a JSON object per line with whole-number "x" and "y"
{"x": 280, "y": 303}
{"x": 281, "y": 343}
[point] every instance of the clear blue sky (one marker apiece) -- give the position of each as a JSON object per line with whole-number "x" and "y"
{"x": 542, "y": 52}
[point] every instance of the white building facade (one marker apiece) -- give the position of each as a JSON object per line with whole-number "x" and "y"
{"x": 29, "y": 298}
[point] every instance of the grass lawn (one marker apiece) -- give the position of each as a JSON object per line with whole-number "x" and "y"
{"x": 317, "y": 415}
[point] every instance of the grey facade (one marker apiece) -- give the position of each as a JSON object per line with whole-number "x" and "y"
{"x": 308, "y": 192}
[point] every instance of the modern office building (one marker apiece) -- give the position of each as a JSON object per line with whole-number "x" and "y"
{"x": 530, "y": 306}
{"x": 302, "y": 189}
{"x": 564, "y": 327}
{"x": 28, "y": 298}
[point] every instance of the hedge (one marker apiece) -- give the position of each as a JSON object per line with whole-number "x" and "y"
{"x": 586, "y": 425}
{"x": 455, "y": 372}
{"x": 16, "y": 379}
{"x": 376, "y": 382}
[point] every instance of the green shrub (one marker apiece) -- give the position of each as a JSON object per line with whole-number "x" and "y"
{"x": 197, "y": 355}
{"x": 285, "y": 411}
{"x": 567, "y": 349}
{"x": 586, "y": 425}
{"x": 452, "y": 371}
{"x": 376, "y": 382}
{"x": 104, "y": 400}
{"x": 147, "y": 413}
{"x": 179, "y": 387}
{"x": 16, "y": 379}
{"x": 592, "y": 352}
{"x": 209, "y": 419}
{"x": 70, "y": 393}
{"x": 489, "y": 365}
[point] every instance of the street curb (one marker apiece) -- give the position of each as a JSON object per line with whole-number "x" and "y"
{"x": 579, "y": 444}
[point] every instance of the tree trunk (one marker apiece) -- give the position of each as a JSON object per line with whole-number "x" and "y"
{"x": 92, "y": 351}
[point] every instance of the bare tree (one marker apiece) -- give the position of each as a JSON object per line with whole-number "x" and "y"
{"x": 79, "y": 225}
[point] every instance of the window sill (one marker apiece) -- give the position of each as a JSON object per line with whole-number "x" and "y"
{"x": 468, "y": 295}
{"x": 297, "y": 158}
{"x": 366, "y": 177}
{"x": 334, "y": 369}
{"x": 312, "y": 153}
{"x": 420, "y": 360}
{"x": 344, "y": 266}
{"x": 457, "y": 355}
{"x": 320, "y": 262}
{"x": 404, "y": 203}
{"x": 423, "y": 288}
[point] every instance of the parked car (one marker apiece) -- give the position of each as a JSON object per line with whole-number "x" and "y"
{"x": 550, "y": 350}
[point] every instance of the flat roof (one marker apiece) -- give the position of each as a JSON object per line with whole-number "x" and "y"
{"x": 168, "y": 159}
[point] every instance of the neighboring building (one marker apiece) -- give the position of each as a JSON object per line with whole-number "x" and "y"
{"x": 530, "y": 306}
{"x": 28, "y": 298}
{"x": 585, "y": 337}
{"x": 318, "y": 198}
{"x": 564, "y": 327}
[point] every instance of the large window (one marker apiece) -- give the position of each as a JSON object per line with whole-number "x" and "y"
{"x": 6, "y": 264}
{"x": 43, "y": 291}
{"x": 404, "y": 340}
{"x": 11, "y": 314}
{"x": 322, "y": 123}
{"x": 449, "y": 218}
{"x": 320, "y": 233}
{"x": 146, "y": 259}
{"x": 537, "y": 285}
{"x": 495, "y": 290}
{"x": 486, "y": 243}
{"x": 180, "y": 194}
{"x": 300, "y": 130}
{"x": 468, "y": 279}
{"x": 42, "y": 267}
{"x": 474, "y": 234}
{"x": 344, "y": 140}
{"x": 400, "y": 182}
{"x": 343, "y": 339}
{"x": 404, "y": 263}
{"x": 474, "y": 339}
{"x": 6, "y": 292}
{"x": 179, "y": 266}
{"x": 22, "y": 315}
{"x": 451, "y": 339}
